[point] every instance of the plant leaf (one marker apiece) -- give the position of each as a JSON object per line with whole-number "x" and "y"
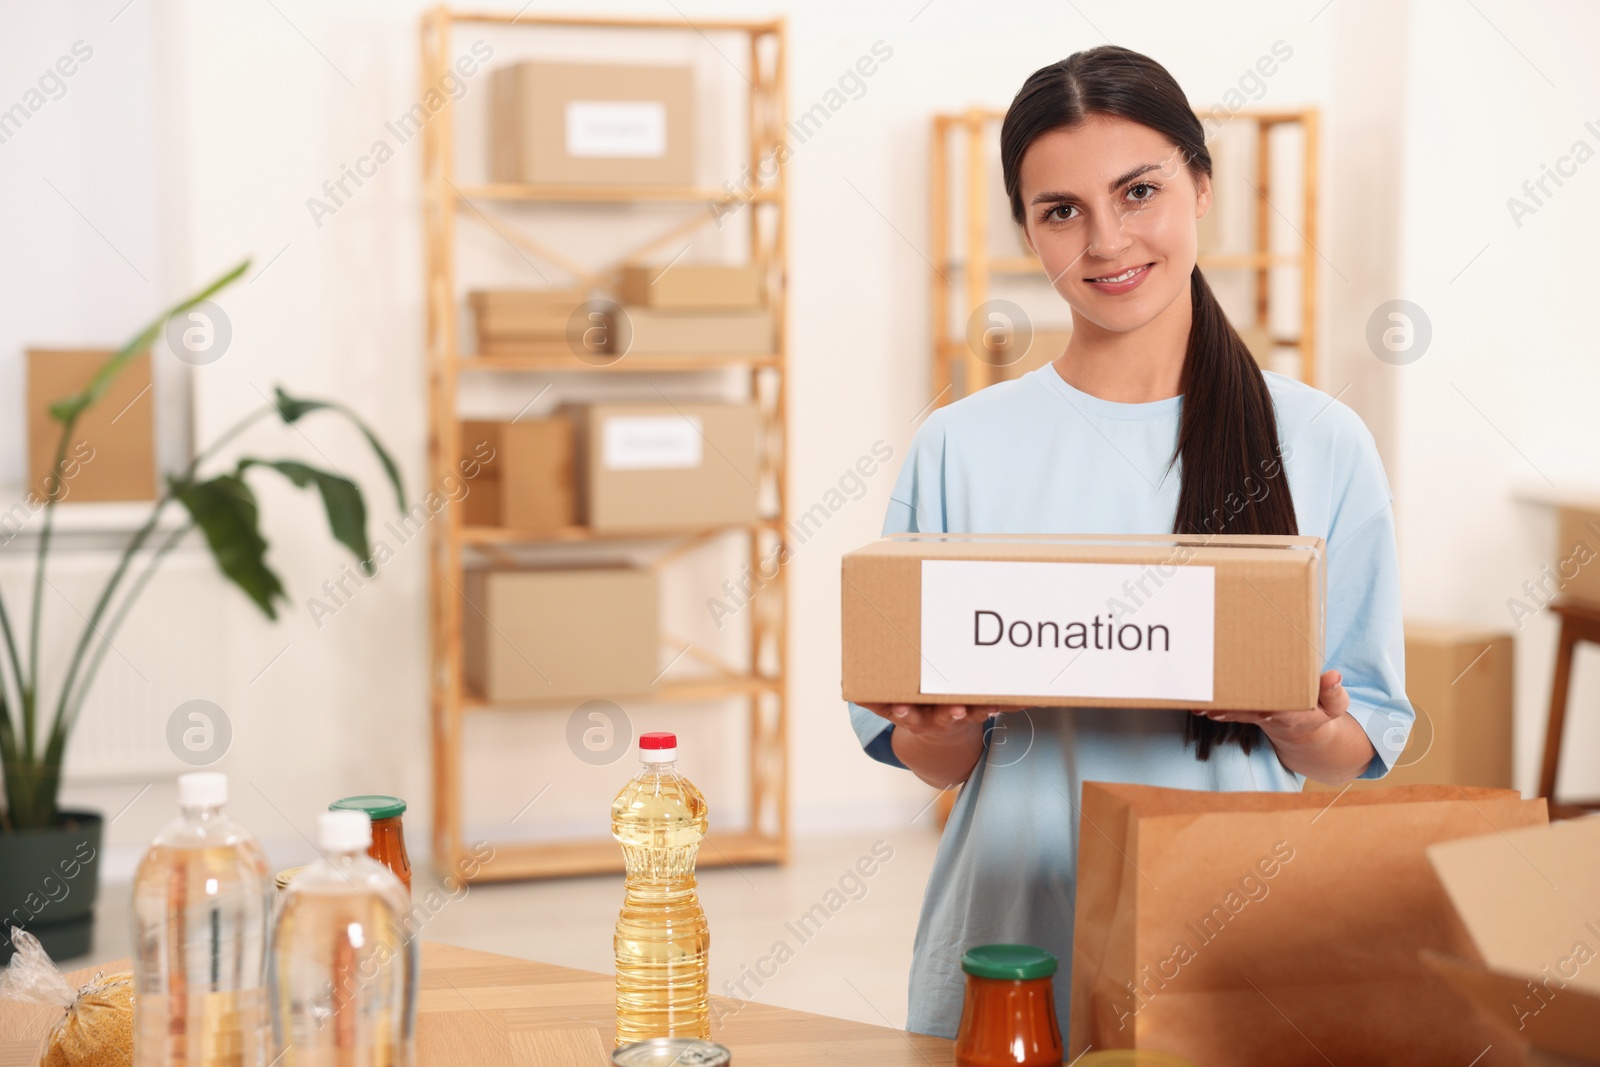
{"x": 341, "y": 498}
{"x": 225, "y": 510}
{"x": 292, "y": 409}
{"x": 72, "y": 406}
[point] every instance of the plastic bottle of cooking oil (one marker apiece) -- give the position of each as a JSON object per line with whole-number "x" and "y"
{"x": 662, "y": 939}
{"x": 199, "y": 930}
{"x": 342, "y": 965}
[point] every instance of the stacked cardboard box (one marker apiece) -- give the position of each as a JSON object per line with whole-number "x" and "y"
{"x": 688, "y": 308}
{"x": 525, "y": 474}
{"x": 1043, "y": 347}
{"x": 1135, "y": 621}
{"x": 527, "y": 322}
{"x": 647, "y": 332}
{"x": 667, "y": 466}
{"x": 1459, "y": 680}
{"x": 112, "y": 455}
{"x": 577, "y": 123}
{"x": 557, "y": 632}
{"x": 691, "y": 286}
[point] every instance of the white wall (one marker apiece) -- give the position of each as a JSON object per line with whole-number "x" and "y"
{"x": 250, "y": 110}
{"x": 1503, "y": 402}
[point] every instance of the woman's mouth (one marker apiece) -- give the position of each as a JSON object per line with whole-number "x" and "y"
{"x": 1121, "y": 281}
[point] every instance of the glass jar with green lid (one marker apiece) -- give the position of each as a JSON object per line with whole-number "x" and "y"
{"x": 1008, "y": 1018}
{"x": 388, "y": 835}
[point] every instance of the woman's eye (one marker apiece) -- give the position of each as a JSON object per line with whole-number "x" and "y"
{"x": 1143, "y": 185}
{"x": 1051, "y": 216}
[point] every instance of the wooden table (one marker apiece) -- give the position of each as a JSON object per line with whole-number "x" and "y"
{"x": 477, "y": 1008}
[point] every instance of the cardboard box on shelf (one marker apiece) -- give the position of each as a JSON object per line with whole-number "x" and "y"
{"x": 113, "y": 454}
{"x": 648, "y": 331}
{"x": 1043, "y": 347}
{"x": 591, "y": 123}
{"x": 1258, "y": 339}
{"x": 515, "y": 316}
{"x": 527, "y": 484}
{"x": 691, "y": 286}
{"x": 1530, "y": 900}
{"x": 1103, "y": 620}
{"x": 1459, "y": 679}
{"x": 543, "y": 633}
{"x": 667, "y": 466}
{"x": 1578, "y": 551}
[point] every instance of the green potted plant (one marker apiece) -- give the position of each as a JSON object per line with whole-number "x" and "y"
{"x": 48, "y": 856}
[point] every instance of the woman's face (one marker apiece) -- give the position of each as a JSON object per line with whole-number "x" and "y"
{"x": 1104, "y": 197}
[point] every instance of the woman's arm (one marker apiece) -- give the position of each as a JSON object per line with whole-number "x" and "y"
{"x": 939, "y": 743}
{"x": 1325, "y": 743}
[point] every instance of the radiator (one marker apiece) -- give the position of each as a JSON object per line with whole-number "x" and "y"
{"x": 170, "y": 650}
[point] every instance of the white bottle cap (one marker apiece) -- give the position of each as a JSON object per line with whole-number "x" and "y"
{"x": 344, "y": 831}
{"x": 203, "y": 789}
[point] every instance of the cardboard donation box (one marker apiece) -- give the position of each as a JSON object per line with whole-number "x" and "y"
{"x": 553, "y": 632}
{"x": 527, "y": 321}
{"x": 1103, "y": 620}
{"x": 667, "y": 466}
{"x": 1282, "y": 929}
{"x": 647, "y": 331}
{"x": 1531, "y": 901}
{"x": 113, "y": 453}
{"x": 691, "y": 286}
{"x": 1578, "y": 551}
{"x": 527, "y": 483}
{"x": 591, "y": 123}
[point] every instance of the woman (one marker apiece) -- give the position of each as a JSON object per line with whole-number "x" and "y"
{"x": 1155, "y": 419}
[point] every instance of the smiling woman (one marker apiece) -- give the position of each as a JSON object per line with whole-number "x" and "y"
{"x": 1155, "y": 419}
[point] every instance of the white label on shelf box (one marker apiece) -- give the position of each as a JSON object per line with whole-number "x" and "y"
{"x": 1015, "y": 628}
{"x": 617, "y": 129}
{"x": 650, "y": 442}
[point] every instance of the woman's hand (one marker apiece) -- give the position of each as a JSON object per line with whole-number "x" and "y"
{"x": 1324, "y": 742}
{"x": 939, "y": 723}
{"x": 941, "y": 743}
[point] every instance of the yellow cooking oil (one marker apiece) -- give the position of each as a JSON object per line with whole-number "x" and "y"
{"x": 662, "y": 940}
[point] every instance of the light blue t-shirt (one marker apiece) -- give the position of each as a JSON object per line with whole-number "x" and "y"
{"x": 1036, "y": 455}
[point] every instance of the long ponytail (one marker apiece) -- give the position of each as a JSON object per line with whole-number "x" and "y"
{"x": 1232, "y": 477}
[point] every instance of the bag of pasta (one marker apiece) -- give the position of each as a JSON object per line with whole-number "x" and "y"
{"x": 96, "y": 1028}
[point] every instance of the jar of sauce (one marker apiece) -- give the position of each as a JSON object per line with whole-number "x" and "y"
{"x": 1008, "y": 1018}
{"x": 388, "y": 836}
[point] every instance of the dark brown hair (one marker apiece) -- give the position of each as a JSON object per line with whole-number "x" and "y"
{"x": 1232, "y": 479}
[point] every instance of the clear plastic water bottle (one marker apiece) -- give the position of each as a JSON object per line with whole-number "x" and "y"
{"x": 200, "y": 899}
{"x": 662, "y": 942}
{"x": 342, "y": 966}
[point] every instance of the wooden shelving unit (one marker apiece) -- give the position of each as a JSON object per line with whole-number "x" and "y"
{"x": 962, "y": 285}
{"x": 762, "y": 682}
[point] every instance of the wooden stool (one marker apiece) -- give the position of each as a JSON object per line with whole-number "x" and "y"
{"x": 1580, "y": 621}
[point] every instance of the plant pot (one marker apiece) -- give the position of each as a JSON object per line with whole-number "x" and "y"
{"x": 48, "y": 883}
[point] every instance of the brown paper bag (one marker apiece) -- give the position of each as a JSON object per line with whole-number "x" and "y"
{"x": 1277, "y": 928}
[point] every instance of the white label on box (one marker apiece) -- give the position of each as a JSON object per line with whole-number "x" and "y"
{"x": 617, "y": 129}
{"x": 650, "y": 442}
{"x": 1011, "y": 628}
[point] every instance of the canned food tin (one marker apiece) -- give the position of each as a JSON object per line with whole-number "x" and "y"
{"x": 672, "y": 1052}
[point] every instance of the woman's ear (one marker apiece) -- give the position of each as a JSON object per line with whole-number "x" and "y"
{"x": 1027, "y": 239}
{"x": 1202, "y": 197}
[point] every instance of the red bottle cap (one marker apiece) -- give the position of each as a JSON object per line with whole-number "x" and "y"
{"x": 658, "y": 740}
